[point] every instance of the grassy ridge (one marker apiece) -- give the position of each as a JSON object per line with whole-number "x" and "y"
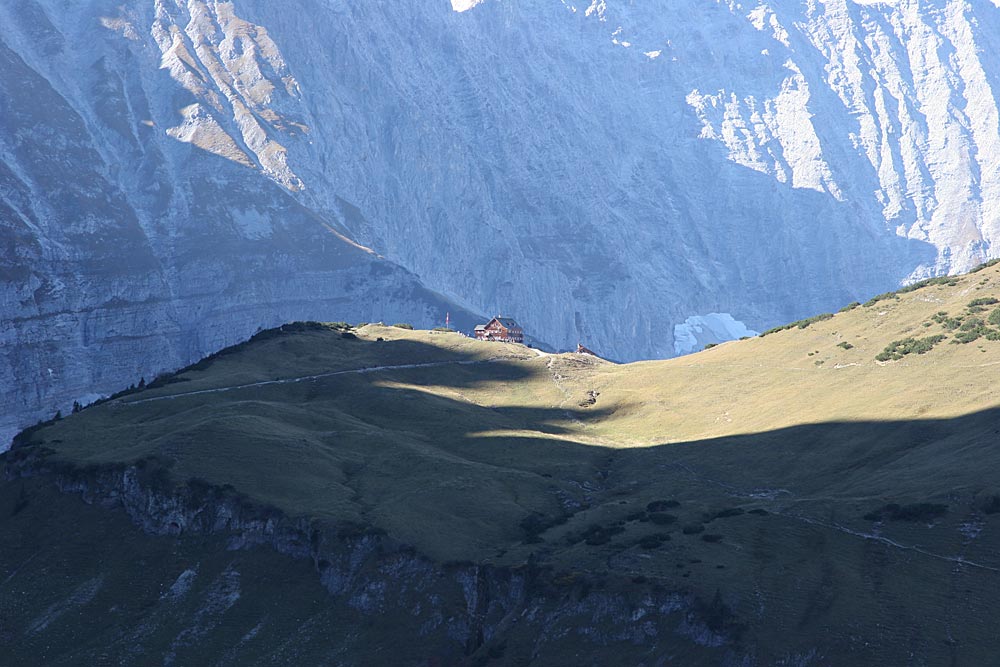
{"x": 795, "y": 471}
{"x": 485, "y": 429}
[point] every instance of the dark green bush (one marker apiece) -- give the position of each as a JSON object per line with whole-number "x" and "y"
{"x": 897, "y": 349}
{"x": 972, "y": 329}
{"x": 968, "y": 335}
{"x": 693, "y": 529}
{"x": 985, "y": 265}
{"x": 537, "y": 523}
{"x": 912, "y": 512}
{"x": 650, "y": 542}
{"x": 653, "y": 541}
{"x": 298, "y": 327}
{"x": 801, "y": 324}
{"x": 662, "y": 519}
{"x": 951, "y": 281}
{"x": 596, "y": 534}
{"x": 166, "y": 379}
{"x": 920, "y": 284}
{"x": 661, "y": 505}
{"x": 712, "y": 537}
{"x": 880, "y": 297}
{"x": 845, "y": 345}
{"x": 991, "y": 505}
{"x": 919, "y": 512}
{"x": 849, "y": 307}
{"x": 403, "y": 325}
{"x": 23, "y": 438}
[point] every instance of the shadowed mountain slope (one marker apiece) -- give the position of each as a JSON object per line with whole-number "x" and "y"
{"x": 785, "y": 498}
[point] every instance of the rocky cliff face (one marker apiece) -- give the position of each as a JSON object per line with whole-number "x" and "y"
{"x": 456, "y": 613}
{"x": 177, "y": 173}
{"x": 137, "y": 237}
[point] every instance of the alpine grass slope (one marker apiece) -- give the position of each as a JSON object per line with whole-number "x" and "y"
{"x": 822, "y": 495}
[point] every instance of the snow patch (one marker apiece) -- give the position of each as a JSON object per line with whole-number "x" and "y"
{"x": 464, "y": 5}
{"x": 763, "y": 17}
{"x": 698, "y": 331}
{"x": 597, "y": 8}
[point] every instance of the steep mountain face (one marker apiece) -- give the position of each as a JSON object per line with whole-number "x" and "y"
{"x": 131, "y": 246}
{"x": 176, "y": 173}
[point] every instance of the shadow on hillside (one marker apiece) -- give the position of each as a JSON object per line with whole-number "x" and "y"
{"x": 409, "y": 440}
{"x": 917, "y": 459}
{"x": 405, "y": 452}
{"x": 405, "y": 386}
{"x": 426, "y": 402}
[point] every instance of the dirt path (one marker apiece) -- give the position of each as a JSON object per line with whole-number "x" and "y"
{"x": 885, "y": 540}
{"x": 786, "y": 496}
{"x": 309, "y": 378}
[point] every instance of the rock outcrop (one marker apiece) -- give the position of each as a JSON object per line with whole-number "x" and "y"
{"x": 464, "y": 613}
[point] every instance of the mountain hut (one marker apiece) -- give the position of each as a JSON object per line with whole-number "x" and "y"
{"x": 502, "y": 329}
